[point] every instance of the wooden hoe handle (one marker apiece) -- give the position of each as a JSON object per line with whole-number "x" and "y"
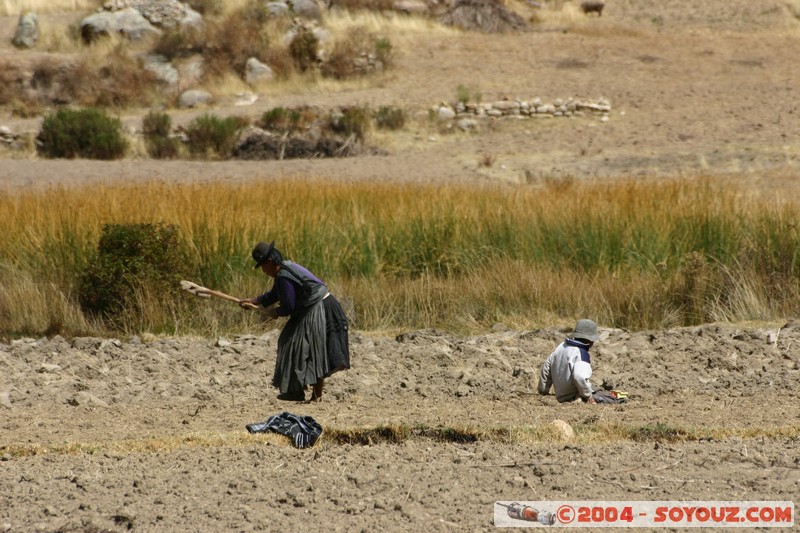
{"x": 204, "y": 292}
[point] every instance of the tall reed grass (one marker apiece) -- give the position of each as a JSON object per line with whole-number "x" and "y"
{"x": 628, "y": 254}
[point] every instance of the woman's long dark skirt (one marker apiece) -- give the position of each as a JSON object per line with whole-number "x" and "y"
{"x": 312, "y": 345}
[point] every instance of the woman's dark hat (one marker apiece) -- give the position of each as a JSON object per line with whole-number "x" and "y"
{"x": 261, "y": 252}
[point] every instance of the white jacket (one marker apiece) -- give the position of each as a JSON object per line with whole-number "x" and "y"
{"x": 568, "y": 370}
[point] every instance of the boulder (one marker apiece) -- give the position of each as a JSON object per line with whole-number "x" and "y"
{"x": 411, "y": 7}
{"x": 278, "y": 9}
{"x": 162, "y": 69}
{"x": 562, "y": 429}
{"x": 445, "y": 112}
{"x": 307, "y": 9}
{"x": 194, "y": 98}
{"x": 256, "y": 72}
{"x": 128, "y": 22}
{"x": 27, "y": 31}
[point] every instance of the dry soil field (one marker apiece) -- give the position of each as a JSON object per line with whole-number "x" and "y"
{"x": 149, "y": 435}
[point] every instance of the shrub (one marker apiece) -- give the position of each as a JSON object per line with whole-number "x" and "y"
{"x": 131, "y": 258}
{"x": 156, "y": 128}
{"x": 88, "y": 133}
{"x": 212, "y": 135}
{"x": 16, "y": 84}
{"x": 156, "y": 124}
{"x": 276, "y": 119}
{"x": 383, "y": 51}
{"x": 390, "y": 118}
{"x": 284, "y": 120}
{"x": 178, "y": 43}
{"x": 351, "y": 121}
{"x": 304, "y": 50}
{"x": 229, "y": 44}
{"x": 280, "y": 61}
{"x": 466, "y": 95}
{"x": 117, "y": 80}
{"x": 349, "y": 56}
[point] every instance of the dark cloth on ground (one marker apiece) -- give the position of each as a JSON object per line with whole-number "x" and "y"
{"x": 606, "y": 396}
{"x": 303, "y": 430}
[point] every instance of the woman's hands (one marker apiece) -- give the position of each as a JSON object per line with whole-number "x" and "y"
{"x": 249, "y": 303}
{"x": 252, "y": 303}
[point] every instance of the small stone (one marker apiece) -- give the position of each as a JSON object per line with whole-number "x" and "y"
{"x": 49, "y": 367}
{"x": 563, "y": 430}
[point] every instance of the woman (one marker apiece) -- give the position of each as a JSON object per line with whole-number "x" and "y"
{"x": 314, "y": 342}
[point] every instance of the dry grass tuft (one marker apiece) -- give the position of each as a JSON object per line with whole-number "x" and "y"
{"x": 233, "y": 40}
{"x": 19, "y": 7}
{"x": 20, "y": 295}
{"x": 57, "y": 38}
{"x": 403, "y": 31}
{"x": 361, "y": 5}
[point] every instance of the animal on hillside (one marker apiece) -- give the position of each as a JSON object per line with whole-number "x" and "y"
{"x": 593, "y": 6}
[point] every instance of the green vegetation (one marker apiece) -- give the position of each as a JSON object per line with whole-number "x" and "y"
{"x": 384, "y": 51}
{"x": 212, "y": 136}
{"x": 399, "y": 256}
{"x": 467, "y": 95}
{"x": 87, "y": 133}
{"x": 350, "y": 55}
{"x": 353, "y": 120}
{"x": 304, "y": 50}
{"x": 136, "y": 266}
{"x": 390, "y": 118}
{"x": 284, "y": 120}
{"x": 156, "y": 128}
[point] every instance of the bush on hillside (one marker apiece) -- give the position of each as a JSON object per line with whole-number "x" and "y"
{"x": 351, "y": 121}
{"x": 390, "y": 118}
{"x": 358, "y": 54}
{"x": 211, "y": 136}
{"x": 282, "y": 120}
{"x": 156, "y": 128}
{"x": 116, "y": 80}
{"x": 231, "y": 42}
{"x": 304, "y": 50}
{"x": 87, "y": 133}
{"x": 177, "y": 43}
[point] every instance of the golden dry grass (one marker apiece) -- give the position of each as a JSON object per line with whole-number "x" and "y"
{"x": 402, "y": 30}
{"x": 639, "y": 266}
{"x": 19, "y": 7}
{"x": 22, "y": 298}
